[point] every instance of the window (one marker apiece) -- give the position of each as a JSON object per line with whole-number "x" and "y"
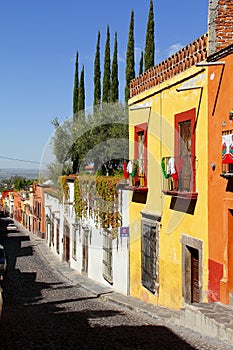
{"x": 149, "y": 254}
{"x": 107, "y": 257}
{"x": 185, "y": 150}
{"x": 227, "y": 153}
{"x": 140, "y": 153}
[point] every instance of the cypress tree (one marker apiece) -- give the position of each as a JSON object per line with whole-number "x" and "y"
{"x": 149, "y": 56}
{"x": 130, "y": 62}
{"x": 81, "y": 97}
{"x": 107, "y": 70}
{"x": 76, "y": 150}
{"x": 97, "y": 74}
{"x": 114, "y": 76}
{"x": 76, "y": 88}
{"x": 141, "y": 64}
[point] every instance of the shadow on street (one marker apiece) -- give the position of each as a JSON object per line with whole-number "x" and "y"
{"x": 30, "y": 321}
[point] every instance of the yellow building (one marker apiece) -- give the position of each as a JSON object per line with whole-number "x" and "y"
{"x": 168, "y": 180}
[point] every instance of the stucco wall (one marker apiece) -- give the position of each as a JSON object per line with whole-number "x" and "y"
{"x": 166, "y": 101}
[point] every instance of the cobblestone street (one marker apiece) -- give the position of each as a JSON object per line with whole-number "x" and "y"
{"x": 43, "y": 310}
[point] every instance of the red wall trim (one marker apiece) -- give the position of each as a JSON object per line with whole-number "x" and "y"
{"x": 139, "y": 128}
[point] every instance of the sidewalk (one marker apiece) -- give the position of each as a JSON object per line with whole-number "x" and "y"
{"x": 211, "y": 319}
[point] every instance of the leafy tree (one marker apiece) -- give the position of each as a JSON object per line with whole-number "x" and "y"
{"x": 141, "y": 64}
{"x": 114, "y": 76}
{"x": 108, "y": 138}
{"x": 21, "y": 183}
{"x": 76, "y": 89}
{"x": 130, "y": 60}
{"x": 149, "y": 56}
{"x": 97, "y": 74}
{"x": 15, "y": 182}
{"x": 61, "y": 141}
{"x": 107, "y": 70}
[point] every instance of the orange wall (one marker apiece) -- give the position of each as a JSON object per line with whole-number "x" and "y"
{"x": 39, "y": 197}
{"x": 219, "y": 200}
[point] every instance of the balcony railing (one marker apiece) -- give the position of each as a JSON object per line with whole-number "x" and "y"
{"x": 227, "y": 171}
{"x": 136, "y": 175}
{"x": 179, "y": 176}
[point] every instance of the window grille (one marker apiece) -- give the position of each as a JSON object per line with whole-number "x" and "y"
{"x": 149, "y": 254}
{"x": 107, "y": 257}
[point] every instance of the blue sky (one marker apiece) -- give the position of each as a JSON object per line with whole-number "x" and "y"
{"x": 39, "y": 40}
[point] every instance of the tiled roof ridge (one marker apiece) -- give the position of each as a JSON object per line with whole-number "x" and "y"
{"x": 183, "y": 59}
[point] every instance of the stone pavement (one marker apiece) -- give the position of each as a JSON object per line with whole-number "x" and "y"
{"x": 211, "y": 319}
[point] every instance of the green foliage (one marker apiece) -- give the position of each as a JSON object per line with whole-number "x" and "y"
{"x": 97, "y": 74}
{"x": 62, "y": 141}
{"x": 15, "y": 183}
{"x": 98, "y": 196}
{"x": 141, "y": 64}
{"x": 107, "y": 70}
{"x": 108, "y": 140}
{"x": 100, "y": 139}
{"x": 81, "y": 96}
{"x": 149, "y": 56}
{"x": 73, "y": 151}
{"x": 130, "y": 60}
{"x": 55, "y": 122}
{"x": 81, "y": 140}
{"x": 21, "y": 183}
{"x": 76, "y": 88}
{"x": 114, "y": 76}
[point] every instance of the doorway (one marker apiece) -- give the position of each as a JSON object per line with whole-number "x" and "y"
{"x": 85, "y": 252}
{"x": 194, "y": 275}
{"x": 191, "y": 270}
{"x": 230, "y": 249}
{"x": 66, "y": 243}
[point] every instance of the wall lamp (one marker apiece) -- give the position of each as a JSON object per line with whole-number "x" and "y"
{"x": 213, "y": 165}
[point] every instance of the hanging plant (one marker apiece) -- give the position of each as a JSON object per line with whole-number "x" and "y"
{"x": 97, "y": 196}
{"x": 78, "y": 200}
{"x": 166, "y": 176}
{"x": 113, "y": 233}
{"x": 64, "y": 188}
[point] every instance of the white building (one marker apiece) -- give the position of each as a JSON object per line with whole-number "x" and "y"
{"x": 99, "y": 253}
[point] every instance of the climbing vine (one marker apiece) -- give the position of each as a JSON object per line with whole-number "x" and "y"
{"x": 98, "y": 196}
{"x": 64, "y": 188}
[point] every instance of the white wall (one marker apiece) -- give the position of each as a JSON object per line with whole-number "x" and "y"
{"x": 120, "y": 257}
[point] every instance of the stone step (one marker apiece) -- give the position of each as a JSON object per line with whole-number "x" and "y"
{"x": 231, "y": 299}
{"x": 211, "y": 319}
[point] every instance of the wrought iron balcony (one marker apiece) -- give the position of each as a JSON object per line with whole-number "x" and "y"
{"x": 179, "y": 176}
{"x": 227, "y": 171}
{"x": 136, "y": 175}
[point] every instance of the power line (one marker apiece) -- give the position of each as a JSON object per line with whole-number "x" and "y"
{"x": 20, "y": 160}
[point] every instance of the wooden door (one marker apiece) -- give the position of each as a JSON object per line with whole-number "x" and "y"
{"x": 85, "y": 252}
{"x": 195, "y": 292}
{"x": 66, "y": 243}
{"x": 58, "y": 237}
{"x": 230, "y": 249}
{"x": 67, "y": 248}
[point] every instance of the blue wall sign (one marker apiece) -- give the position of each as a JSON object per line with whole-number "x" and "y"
{"x": 124, "y": 232}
